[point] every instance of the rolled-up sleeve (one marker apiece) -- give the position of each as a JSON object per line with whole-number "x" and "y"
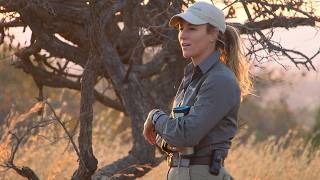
{"x": 216, "y": 97}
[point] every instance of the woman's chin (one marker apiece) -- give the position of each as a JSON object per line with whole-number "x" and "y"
{"x": 186, "y": 55}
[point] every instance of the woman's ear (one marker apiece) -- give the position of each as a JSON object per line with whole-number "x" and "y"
{"x": 214, "y": 32}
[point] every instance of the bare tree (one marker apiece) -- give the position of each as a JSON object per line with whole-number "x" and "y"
{"x": 108, "y": 41}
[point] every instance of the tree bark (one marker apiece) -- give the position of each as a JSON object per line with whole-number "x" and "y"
{"x": 87, "y": 162}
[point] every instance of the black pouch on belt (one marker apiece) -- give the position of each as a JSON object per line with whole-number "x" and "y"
{"x": 216, "y": 163}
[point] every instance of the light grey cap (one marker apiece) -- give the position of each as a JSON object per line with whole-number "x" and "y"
{"x": 201, "y": 13}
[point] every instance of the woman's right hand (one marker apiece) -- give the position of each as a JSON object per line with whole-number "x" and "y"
{"x": 148, "y": 130}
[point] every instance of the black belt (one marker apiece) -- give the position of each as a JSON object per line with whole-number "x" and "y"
{"x": 174, "y": 161}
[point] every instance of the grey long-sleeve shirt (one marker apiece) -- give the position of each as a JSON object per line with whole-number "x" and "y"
{"x": 214, "y": 97}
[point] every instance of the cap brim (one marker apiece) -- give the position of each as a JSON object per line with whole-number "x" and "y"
{"x": 187, "y": 16}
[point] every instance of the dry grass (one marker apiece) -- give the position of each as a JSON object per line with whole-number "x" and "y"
{"x": 288, "y": 158}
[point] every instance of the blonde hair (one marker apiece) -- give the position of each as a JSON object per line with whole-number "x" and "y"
{"x": 230, "y": 46}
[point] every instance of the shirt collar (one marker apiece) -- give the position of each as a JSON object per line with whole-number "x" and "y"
{"x": 204, "y": 65}
{"x": 209, "y": 61}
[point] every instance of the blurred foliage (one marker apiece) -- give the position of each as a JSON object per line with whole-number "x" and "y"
{"x": 315, "y": 133}
{"x": 16, "y": 89}
{"x": 264, "y": 118}
{"x": 274, "y": 118}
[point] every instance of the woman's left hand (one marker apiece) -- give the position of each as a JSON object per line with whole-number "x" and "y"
{"x": 148, "y": 130}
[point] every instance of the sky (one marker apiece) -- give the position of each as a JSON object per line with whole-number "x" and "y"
{"x": 305, "y": 39}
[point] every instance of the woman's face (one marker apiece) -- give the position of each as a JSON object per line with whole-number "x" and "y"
{"x": 195, "y": 41}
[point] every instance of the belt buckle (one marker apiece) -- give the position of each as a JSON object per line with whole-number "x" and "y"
{"x": 178, "y": 161}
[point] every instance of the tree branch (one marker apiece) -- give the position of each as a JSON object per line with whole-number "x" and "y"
{"x": 52, "y": 80}
{"x": 66, "y": 131}
{"x": 266, "y": 42}
{"x": 285, "y": 22}
{"x": 127, "y": 168}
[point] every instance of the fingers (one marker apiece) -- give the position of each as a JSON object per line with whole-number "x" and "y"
{"x": 149, "y": 133}
{"x": 150, "y": 136}
{"x": 153, "y": 138}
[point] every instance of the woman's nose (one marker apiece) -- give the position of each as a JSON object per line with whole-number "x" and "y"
{"x": 182, "y": 35}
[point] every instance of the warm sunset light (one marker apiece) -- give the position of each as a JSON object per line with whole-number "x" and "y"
{"x": 153, "y": 89}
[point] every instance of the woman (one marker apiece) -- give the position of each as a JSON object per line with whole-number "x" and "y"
{"x": 208, "y": 97}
